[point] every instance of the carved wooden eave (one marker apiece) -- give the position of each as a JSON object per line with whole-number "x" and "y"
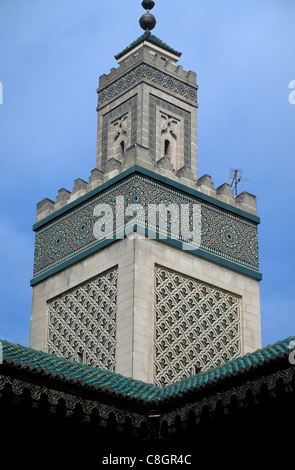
{"x": 145, "y": 412}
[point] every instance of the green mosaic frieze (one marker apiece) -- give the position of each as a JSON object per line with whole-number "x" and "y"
{"x": 223, "y": 234}
{"x": 149, "y": 74}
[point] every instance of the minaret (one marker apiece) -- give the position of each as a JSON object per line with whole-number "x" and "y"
{"x": 146, "y": 269}
{"x": 151, "y": 102}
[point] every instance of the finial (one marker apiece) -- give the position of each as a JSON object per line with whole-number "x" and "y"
{"x": 148, "y": 4}
{"x": 147, "y": 21}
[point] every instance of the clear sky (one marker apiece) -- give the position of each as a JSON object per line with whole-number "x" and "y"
{"x": 51, "y": 56}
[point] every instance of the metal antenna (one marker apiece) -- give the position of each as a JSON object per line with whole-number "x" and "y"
{"x": 236, "y": 175}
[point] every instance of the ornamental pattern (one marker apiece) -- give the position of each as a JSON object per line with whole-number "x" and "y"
{"x": 154, "y": 103}
{"x": 126, "y": 107}
{"x": 223, "y": 234}
{"x": 197, "y": 326}
{"x": 256, "y": 387}
{"x": 150, "y": 74}
{"x": 88, "y": 406}
{"x": 82, "y": 322}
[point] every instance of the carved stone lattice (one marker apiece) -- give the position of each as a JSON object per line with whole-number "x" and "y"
{"x": 119, "y": 133}
{"x": 197, "y": 326}
{"x": 82, "y": 322}
{"x": 171, "y": 140}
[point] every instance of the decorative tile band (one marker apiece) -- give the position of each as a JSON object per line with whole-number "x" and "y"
{"x": 146, "y": 72}
{"x": 227, "y": 236}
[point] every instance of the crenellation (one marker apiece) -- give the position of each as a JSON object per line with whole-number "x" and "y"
{"x": 44, "y": 208}
{"x": 139, "y": 155}
{"x": 192, "y": 77}
{"x": 102, "y": 80}
{"x": 62, "y": 198}
{"x": 206, "y": 186}
{"x": 113, "y": 168}
{"x": 79, "y": 189}
{"x": 247, "y": 202}
{"x": 95, "y": 179}
{"x": 244, "y": 201}
{"x": 224, "y": 193}
{"x": 45, "y": 204}
{"x": 113, "y": 72}
{"x": 79, "y": 185}
{"x": 63, "y": 195}
{"x": 186, "y": 176}
{"x": 144, "y": 56}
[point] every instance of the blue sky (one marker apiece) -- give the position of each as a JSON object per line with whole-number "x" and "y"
{"x": 51, "y": 56}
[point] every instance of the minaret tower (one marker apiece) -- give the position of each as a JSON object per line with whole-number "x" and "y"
{"x": 146, "y": 269}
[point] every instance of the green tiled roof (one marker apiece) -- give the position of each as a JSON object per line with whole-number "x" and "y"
{"x": 69, "y": 371}
{"x": 82, "y": 375}
{"x": 151, "y": 38}
{"x": 238, "y": 366}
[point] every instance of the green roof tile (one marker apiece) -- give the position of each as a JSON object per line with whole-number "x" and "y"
{"x": 150, "y": 38}
{"x": 43, "y": 363}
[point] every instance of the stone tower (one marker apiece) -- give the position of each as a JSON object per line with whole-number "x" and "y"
{"x": 146, "y": 269}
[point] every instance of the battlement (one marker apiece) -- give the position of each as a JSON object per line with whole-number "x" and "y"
{"x": 151, "y": 63}
{"x": 143, "y": 236}
{"x": 244, "y": 201}
{"x": 149, "y": 56}
{"x": 140, "y": 156}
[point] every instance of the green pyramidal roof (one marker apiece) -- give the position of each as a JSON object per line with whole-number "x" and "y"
{"x": 150, "y": 38}
{"x": 63, "y": 370}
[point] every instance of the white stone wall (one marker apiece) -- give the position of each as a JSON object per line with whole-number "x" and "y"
{"x": 148, "y": 253}
{"x": 136, "y": 258}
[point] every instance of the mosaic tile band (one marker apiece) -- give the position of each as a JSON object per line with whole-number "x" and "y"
{"x": 150, "y": 74}
{"x": 224, "y": 234}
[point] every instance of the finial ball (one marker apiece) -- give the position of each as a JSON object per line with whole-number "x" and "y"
{"x": 148, "y": 4}
{"x": 147, "y": 22}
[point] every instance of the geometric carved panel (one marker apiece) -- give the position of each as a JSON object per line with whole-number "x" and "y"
{"x": 170, "y": 140}
{"x": 127, "y": 108}
{"x": 156, "y": 104}
{"x": 82, "y": 322}
{"x": 197, "y": 326}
